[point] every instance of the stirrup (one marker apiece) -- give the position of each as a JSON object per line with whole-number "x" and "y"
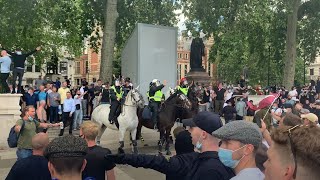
{"x": 111, "y": 121}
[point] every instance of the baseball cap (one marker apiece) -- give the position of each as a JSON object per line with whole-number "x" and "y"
{"x": 310, "y": 116}
{"x": 206, "y": 121}
{"x": 243, "y": 131}
{"x": 287, "y": 105}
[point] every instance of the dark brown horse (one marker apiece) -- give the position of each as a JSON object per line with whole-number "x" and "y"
{"x": 166, "y": 119}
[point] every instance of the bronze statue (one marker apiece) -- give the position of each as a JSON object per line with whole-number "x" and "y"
{"x": 197, "y": 51}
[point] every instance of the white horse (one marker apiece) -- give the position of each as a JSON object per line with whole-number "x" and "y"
{"x": 128, "y": 119}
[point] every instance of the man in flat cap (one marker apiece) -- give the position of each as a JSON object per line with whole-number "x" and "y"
{"x": 240, "y": 142}
{"x": 66, "y": 156}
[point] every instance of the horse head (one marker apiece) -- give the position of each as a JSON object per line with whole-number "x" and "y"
{"x": 184, "y": 101}
{"x": 136, "y": 97}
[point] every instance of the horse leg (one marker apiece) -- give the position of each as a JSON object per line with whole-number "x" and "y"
{"x": 161, "y": 141}
{"x": 102, "y": 129}
{"x": 167, "y": 137}
{"x": 121, "y": 141}
{"x": 134, "y": 141}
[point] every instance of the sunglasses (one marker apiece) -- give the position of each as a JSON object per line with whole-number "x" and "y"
{"x": 293, "y": 149}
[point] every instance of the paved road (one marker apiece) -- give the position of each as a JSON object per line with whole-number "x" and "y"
{"x": 109, "y": 140}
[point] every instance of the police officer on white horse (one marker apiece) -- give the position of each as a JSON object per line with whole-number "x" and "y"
{"x": 116, "y": 95}
{"x": 155, "y": 97}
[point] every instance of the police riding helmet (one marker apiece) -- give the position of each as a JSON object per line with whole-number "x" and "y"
{"x": 184, "y": 81}
{"x": 117, "y": 82}
{"x": 156, "y": 82}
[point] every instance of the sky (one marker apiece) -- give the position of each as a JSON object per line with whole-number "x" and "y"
{"x": 182, "y": 19}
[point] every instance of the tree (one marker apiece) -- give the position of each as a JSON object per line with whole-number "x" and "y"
{"x": 49, "y": 23}
{"x": 291, "y": 44}
{"x": 245, "y": 30}
{"x": 109, "y": 35}
{"x": 130, "y": 12}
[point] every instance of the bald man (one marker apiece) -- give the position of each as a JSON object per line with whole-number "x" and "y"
{"x": 34, "y": 167}
{"x": 5, "y": 63}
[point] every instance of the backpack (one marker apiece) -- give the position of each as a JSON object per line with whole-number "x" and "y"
{"x": 14, "y": 136}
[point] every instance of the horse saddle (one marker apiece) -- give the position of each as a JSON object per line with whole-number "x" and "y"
{"x": 146, "y": 113}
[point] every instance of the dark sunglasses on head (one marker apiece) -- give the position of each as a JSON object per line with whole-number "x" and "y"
{"x": 293, "y": 149}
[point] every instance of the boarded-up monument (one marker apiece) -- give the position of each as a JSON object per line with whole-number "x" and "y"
{"x": 150, "y": 53}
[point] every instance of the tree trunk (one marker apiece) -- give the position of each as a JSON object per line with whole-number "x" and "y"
{"x": 291, "y": 49}
{"x": 109, "y": 35}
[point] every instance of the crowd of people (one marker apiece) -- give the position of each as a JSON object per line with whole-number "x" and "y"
{"x": 280, "y": 141}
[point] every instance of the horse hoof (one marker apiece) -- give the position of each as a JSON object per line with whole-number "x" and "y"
{"x": 120, "y": 151}
{"x": 168, "y": 153}
{"x": 135, "y": 150}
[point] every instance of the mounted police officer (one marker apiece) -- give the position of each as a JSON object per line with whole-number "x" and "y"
{"x": 126, "y": 87}
{"x": 183, "y": 87}
{"x": 116, "y": 95}
{"x": 155, "y": 97}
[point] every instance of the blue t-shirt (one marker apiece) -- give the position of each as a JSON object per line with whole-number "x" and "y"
{"x": 42, "y": 96}
{"x": 33, "y": 167}
{"x": 5, "y": 64}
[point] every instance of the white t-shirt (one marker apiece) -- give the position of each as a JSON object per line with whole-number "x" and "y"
{"x": 293, "y": 94}
{"x": 276, "y": 111}
{"x": 76, "y": 100}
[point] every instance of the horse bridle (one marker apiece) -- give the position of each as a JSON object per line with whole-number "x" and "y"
{"x": 133, "y": 98}
{"x": 178, "y": 105}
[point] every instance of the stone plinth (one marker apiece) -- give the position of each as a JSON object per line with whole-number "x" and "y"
{"x": 201, "y": 77}
{"x": 9, "y": 114}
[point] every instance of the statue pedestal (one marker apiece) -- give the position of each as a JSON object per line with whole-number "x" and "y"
{"x": 9, "y": 114}
{"x": 200, "y": 77}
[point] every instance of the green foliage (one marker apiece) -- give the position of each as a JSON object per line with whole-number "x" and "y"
{"x": 244, "y": 30}
{"x": 49, "y": 23}
{"x": 131, "y": 12}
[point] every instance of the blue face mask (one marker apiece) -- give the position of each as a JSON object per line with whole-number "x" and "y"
{"x": 225, "y": 156}
{"x": 30, "y": 118}
{"x": 199, "y": 145}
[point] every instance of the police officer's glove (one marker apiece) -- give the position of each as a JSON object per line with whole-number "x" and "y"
{"x": 115, "y": 158}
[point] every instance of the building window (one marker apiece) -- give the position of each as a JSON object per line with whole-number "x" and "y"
{"x": 311, "y": 72}
{"x": 29, "y": 67}
{"x": 63, "y": 67}
{"x": 180, "y": 71}
{"x": 94, "y": 80}
{"x": 77, "y": 68}
{"x": 209, "y": 69}
{"x": 29, "y": 81}
{"x": 37, "y": 68}
{"x": 87, "y": 67}
{"x": 78, "y": 81}
{"x": 185, "y": 70}
{"x": 187, "y": 56}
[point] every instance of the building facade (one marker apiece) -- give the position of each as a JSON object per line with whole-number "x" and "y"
{"x": 183, "y": 66}
{"x": 313, "y": 70}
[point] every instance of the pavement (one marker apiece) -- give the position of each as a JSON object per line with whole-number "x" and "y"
{"x": 108, "y": 140}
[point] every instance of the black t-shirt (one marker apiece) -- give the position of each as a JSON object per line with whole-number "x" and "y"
{"x": 105, "y": 95}
{"x": 205, "y": 98}
{"x": 220, "y": 94}
{"x": 33, "y": 167}
{"x": 96, "y": 164}
{"x": 228, "y": 112}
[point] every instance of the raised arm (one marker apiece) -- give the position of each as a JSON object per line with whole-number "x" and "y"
{"x": 175, "y": 165}
{"x": 9, "y": 52}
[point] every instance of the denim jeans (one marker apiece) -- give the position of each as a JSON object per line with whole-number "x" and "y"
{"x": 54, "y": 116}
{"x": 77, "y": 118}
{"x": 23, "y": 153}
